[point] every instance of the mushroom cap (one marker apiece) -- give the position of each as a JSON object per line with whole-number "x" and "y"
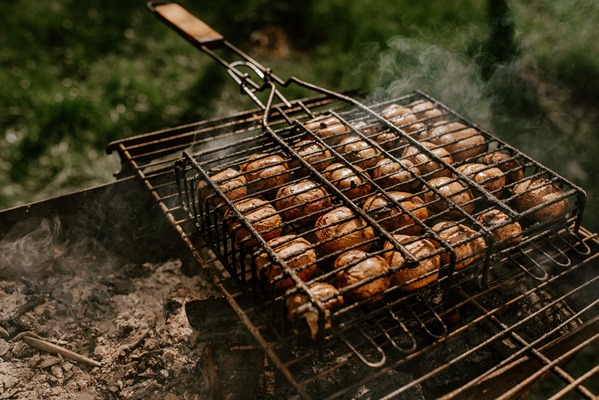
{"x": 421, "y": 249}
{"x": 340, "y": 229}
{"x": 367, "y": 266}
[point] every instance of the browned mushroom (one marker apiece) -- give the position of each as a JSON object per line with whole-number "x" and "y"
{"x": 427, "y": 166}
{"x": 451, "y": 189}
{"x": 265, "y": 171}
{"x": 468, "y": 245}
{"x": 365, "y": 128}
{"x": 397, "y": 175}
{"x": 314, "y": 153}
{"x": 230, "y": 182}
{"x": 427, "y": 268}
{"x": 394, "y": 111}
{"x": 391, "y": 217}
{"x": 341, "y": 229}
{"x": 298, "y": 255}
{"x": 304, "y": 199}
{"x": 352, "y": 184}
{"x": 328, "y": 128}
{"x": 388, "y": 139}
{"x": 419, "y": 131}
{"x": 534, "y": 192}
{"x": 462, "y": 142}
{"x": 359, "y": 152}
{"x": 490, "y": 178}
{"x": 300, "y": 305}
{"x": 357, "y": 266}
{"x": 425, "y": 110}
{"x": 510, "y": 165}
{"x": 501, "y": 226}
{"x": 262, "y": 216}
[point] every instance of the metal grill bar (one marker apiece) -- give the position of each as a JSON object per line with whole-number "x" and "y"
{"x": 576, "y": 384}
{"x": 549, "y": 364}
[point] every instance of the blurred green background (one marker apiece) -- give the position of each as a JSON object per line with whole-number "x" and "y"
{"x": 75, "y": 75}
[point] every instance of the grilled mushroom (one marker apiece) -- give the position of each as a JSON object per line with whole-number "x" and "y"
{"x": 296, "y": 252}
{"x": 453, "y": 190}
{"x": 398, "y": 175}
{"x": 462, "y": 142}
{"x": 426, "y": 269}
{"x": 404, "y": 121}
{"x": 265, "y": 171}
{"x": 328, "y": 128}
{"x": 314, "y": 153}
{"x": 535, "y": 192}
{"x": 305, "y": 199}
{"x": 341, "y": 229}
{"x": 301, "y": 306}
{"x": 425, "y": 110}
{"x": 419, "y": 131}
{"x": 468, "y": 245}
{"x": 365, "y": 128}
{"x": 391, "y": 217}
{"x": 230, "y": 182}
{"x": 365, "y": 266}
{"x": 394, "y": 111}
{"x": 261, "y": 215}
{"x": 427, "y": 166}
{"x": 388, "y": 139}
{"x": 507, "y": 164}
{"x": 500, "y": 226}
{"x": 359, "y": 152}
{"x": 490, "y": 178}
{"x": 352, "y": 184}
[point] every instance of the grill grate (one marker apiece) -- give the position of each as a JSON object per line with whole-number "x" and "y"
{"x": 409, "y": 344}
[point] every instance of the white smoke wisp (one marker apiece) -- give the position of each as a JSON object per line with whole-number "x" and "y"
{"x": 36, "y": 247}
{"x": 28, "y": 246}
{"x": 410, "y": 64}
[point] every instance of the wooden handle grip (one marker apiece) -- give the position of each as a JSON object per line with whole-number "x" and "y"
{"x": 188, "y": 24}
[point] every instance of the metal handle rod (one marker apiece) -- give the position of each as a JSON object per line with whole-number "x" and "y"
{"x": 206, "y": 39}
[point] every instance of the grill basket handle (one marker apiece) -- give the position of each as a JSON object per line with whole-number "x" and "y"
{"x": 192, "y": 28}
{"x": 207, "y": 39}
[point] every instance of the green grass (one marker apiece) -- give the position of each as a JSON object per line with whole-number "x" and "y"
{"x": 77, "y": 75}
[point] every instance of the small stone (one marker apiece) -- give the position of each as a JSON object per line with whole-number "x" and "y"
{"x": 67, "y": 366}
{"x": 56, "y": 370}
{"x": 21, "y": 350}
{"x": 34, "y": 360}
{"x": 151, "y": 344}
{"x": 4, "y": 347}
{"x": 3, "y": 333}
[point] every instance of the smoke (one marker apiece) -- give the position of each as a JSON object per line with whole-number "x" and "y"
{"x": 37, "y": 247}
{"x": 29, "y": 245}
{"x": 410, "y": 64}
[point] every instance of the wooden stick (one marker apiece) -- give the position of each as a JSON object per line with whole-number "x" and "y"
{"x": 52, "y": 348}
